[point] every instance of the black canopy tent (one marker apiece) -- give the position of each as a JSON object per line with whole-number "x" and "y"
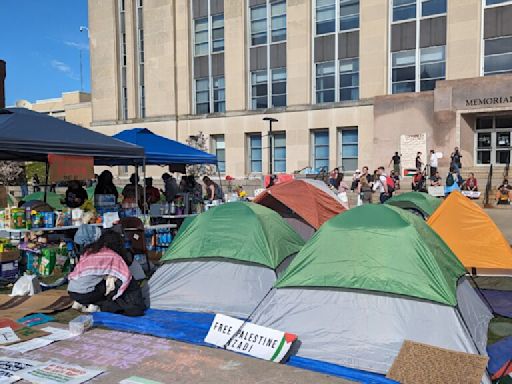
{"x": 30, "y": 136}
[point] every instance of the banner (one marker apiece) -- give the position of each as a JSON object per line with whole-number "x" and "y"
{"x": 250, "y": 339}
{"x": 65, "y": 168}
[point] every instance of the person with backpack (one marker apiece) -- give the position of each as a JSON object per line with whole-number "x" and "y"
{"x": 384, "y": 185}
{"x": 452, "y": 181}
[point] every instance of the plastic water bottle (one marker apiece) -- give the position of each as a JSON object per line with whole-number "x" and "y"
{"x": 166, "y": 208}
{"x": 173, "y": 208}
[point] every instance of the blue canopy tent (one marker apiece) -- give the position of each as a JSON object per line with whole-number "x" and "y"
{"x": 160, "y": 150}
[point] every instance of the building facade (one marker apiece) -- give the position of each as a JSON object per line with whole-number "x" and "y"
{"x": 73, "y": 107}
{"x": 349, "y": 81}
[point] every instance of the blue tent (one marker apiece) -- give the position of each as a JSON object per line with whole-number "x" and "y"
{"x": 160, "y": 150}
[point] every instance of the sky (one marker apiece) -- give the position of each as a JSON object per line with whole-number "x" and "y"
{"x": 41, "y": 42}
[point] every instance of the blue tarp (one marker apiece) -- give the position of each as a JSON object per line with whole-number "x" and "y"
{"x": 30, "y": 136}
{"x": 161, "y": 151}
{"x": 500, "y": 301}
{"x": 192, "y": 328}
{"x": 499, "y": 354}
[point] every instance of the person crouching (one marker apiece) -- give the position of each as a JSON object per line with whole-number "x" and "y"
{"x": 102, "y": 280}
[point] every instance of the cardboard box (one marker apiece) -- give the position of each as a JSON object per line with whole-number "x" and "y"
{"x": 12, "y": 255}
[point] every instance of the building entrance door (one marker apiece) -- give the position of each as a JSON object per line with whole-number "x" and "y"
{"x": 493, "y": 135}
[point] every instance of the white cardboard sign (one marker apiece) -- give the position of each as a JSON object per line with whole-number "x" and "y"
{"x": 250, "y": 339}
{"x": 7, "y": 336}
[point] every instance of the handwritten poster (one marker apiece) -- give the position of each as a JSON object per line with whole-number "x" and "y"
{"x": 250, "y": 339}
{"x": 65, "y": 168}
{"x": 8, "y": 336}
{"x": 410, "y": 145}
{"x": 9, "y": 367}
{"x": 56, "y": 373}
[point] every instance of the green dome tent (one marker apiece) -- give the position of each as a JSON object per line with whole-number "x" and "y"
{"x": 370, "y": 279}
{"x": 416, "y": 201}
{"x": 52, "y": 199}
{"x": 225, "y": 260}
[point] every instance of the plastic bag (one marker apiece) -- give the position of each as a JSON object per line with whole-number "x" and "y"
{"x": 26, "y": 285}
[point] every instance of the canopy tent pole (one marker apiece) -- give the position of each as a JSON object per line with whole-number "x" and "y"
{"x": 137, "y": 186}
{"x": 47, "y": 169}
{"x": 220, "y": 180}
{"x": 146, "y": 209}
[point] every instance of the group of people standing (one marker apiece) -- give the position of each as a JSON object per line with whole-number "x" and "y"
{"x": 365, "y": 184}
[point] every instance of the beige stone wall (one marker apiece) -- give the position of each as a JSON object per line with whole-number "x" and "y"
{"x": 298, "y": 51}
{"x": 463, "y": 38}
{"x": 104, "y": 59}
{"x": 373, "y": 51}
{"x": 159, "y": 51}
{"x": 80, "y": 114}
{"x": 183, "y": 57}
{"x": 235, "y": 55}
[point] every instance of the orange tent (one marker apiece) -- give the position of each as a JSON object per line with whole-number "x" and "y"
{"x": 472, "y": 235}
{"x": 305, "y": 204}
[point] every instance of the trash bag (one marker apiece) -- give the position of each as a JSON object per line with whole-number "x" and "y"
{"x": 26, "y": 285}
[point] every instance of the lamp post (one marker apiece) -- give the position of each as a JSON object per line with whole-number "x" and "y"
{"x": 270, "y": 144}
{"x": 82, "y": 28}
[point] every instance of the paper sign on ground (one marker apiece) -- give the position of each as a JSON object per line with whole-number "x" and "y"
{"x": 10, "y": 366}
{"x": 57, "y": 334}
{"x": 56, "y": 373}
{"x": 35, "y": 319}
{"x": 138, "y": 380}
{"x": 8, "y": 336}
{"x": 250, "y": 339}
{"x": 28, "y": 345}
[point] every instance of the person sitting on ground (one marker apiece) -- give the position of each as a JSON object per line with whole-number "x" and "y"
{"x": 436, "y": 181}
{"x": 418, "y": 182}
{"x": 471, "y": 184}
{"x": 102, "y": 280}
{"x": 106, "y": 185}
{"x": 131, "y": 192}
{"x": 213, "y": 191}
{"x": 504, "y": 193}
{"x": 170, "y": 187}
{"x": 76, "y": 195}
{"x": 152, "y": 193}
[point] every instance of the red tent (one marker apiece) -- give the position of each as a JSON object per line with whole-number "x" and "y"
{"x": 305, "y": 204}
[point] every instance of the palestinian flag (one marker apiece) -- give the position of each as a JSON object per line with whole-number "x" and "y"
{"x": 504, "y": 375}
{"x": 410, "y": 171}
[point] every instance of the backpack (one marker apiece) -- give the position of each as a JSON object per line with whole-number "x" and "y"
{"x": 391, "y": 184}
{"x": 450, "y": 180}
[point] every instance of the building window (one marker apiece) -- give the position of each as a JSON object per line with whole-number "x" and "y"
{"x": 278, "y": 21}
{"x": 433, "y": 7}
{"x": 122, "y": 170}
{"x": 278, "y": 87}
{"x": 325, "y": 82}
{"x": 259, "y": 89}
{"x": 349, "y": 79}
{"x": 320, "y": 150}
{"x": 123, "y": 87}
{"x": 349, "y": 14}
{"x": 202, "y": 96}
{"x": 498, "y": 55}
{"x": 433, "y": 67}
{"x": 219, "y": 94}
{"x": 140, "y": 59}
{"x": 208, "y": 45}
{"x": 218, "y": 147}
{"x": 403, "y": 71}
{"x": 404, "y": 9}
{"x": 325, "y": 16}
{"x": 259, "y": 25}
{"x": 255, "y": 153}
{"x": 279, "y": 153}
{"x": 494, "y": 2}
{"x": 493, "y": 134}
{"x": 349, "y": 148}
{"x": 201, "y": 36}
